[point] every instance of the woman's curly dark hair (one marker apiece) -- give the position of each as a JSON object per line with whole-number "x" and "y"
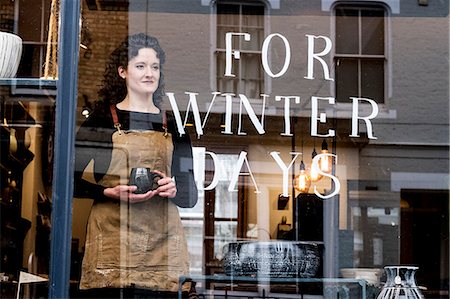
{"x": 114, "y": 88}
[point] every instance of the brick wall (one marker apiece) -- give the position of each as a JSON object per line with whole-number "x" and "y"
{"x": 102, "y": 31}
{"x": 6, "y": 15}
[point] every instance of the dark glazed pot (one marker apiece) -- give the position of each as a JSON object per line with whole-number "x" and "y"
{"x": 273, "y": 258}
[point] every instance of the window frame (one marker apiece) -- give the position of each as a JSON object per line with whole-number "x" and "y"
{"x": 40, "y": 46}
{"x": 64, "y": 147}
{"x": 215, "y": 49}
{"x": 387, "y": 69}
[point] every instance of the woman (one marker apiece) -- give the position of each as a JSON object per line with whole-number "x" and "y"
{"x": 135, "y": 245}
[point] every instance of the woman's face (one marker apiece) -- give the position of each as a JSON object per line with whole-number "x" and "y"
{"x": 143, "y": 72}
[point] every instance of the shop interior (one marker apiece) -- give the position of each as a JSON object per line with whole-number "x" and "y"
{"x": 369, "y": 225}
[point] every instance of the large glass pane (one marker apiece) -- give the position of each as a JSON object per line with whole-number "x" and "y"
{"x": 250, "y": 20}
{"x": 224, "y": 232}
{"x": 372, "y": 79}
{"x": 256, "y": 39}
{"x": 385, "y": 200}
{"x": 33, "y": 26}
{"x": 226, "y": 205}
{"x": 227, "y": 14}
{"x": 223, "y": 83}
{"x": 373, "y": 36}
{"x": 347, "y": 31}
{"x": 347, "y": 80}
{"x": 252, "y": 84}
{"x": 27, "y": 113}
{"x": 222, "y": 30}
{"x": 382, "y": 202}
{"x": 26, "y": 183}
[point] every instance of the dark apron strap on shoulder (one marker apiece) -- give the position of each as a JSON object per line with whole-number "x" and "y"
{"x": 115, "y": 118}
{"x": 164, "y": 122}
{"x": 118, "y": 126}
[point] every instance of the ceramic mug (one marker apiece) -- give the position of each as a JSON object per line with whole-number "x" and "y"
{"x": 144, "y": 178}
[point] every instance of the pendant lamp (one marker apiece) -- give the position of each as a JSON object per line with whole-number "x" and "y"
{"x": 302, "y": 181}
{"x": 325, "y": 162}
{"x": 314, "y": 174}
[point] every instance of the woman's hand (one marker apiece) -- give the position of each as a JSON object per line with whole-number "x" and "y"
{"x": 125, "y": 193}
{"x": 166, "y": 188}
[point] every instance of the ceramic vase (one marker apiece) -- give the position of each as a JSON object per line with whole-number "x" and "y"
{"x": 10, "y": 54}
{"x": 12, "y": 141}
{"x": 400, "y": 283}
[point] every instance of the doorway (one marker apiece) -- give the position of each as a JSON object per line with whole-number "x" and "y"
{"x": 424, "y": 238}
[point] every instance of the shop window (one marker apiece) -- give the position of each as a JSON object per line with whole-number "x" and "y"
{"x": 249, "y": 75}
{"x": 218, "y": 216}
{"x": 360, "y": 58}
{"x": 33, "y": 27}
{"x": 224, "y": 219}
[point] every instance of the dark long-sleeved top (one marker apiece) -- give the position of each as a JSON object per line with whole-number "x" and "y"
{"x": 94, "y": 143}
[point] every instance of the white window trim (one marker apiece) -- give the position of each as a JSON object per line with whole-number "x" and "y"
{"x": 274, "y": 4}
{"x": 345, "y": 108}
{"x": 394, "y": 5}
{"x": 418, "y": 180}
{"x": 213, "y": 38}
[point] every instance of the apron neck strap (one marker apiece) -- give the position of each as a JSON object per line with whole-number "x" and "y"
{"x": 118, "y": 126}
{"x": 164, "y": 122}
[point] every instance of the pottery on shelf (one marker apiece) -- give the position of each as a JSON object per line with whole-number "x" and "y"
{"x": 371, "y": 275}
{"x": 273, "y": 258}
{"x": 12, "y": 141}
{"x": 400, "y": 283}
{"x": 10, "y": 54}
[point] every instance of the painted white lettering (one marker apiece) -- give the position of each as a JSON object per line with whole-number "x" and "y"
{"x": 237, "y": 171}
{"x": 230, "y": 52}
{"x": 284, "y": 169}
{"x": 258, "y": 122}
{"x": 215, "y": 94}
{"x": 259, "y": 125}
{"x": 228, "y": 112}
{"x": 192, "y": 103}
{"x": 287, "y": 109}
{"x": 198, "y": 161}
{"x": 312, "y": 56}
{"x": 366, "y": 119}
{"x": 196, "y": 113}
{"x": 265, "y": 56}
{"x": 176, "y": 113}
{"x": 337, "y": 184}
{"x": 216, "y": 164}
{"x": 322, "y": 118}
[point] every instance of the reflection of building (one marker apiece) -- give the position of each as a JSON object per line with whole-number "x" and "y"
{"x": 394, "y": 52}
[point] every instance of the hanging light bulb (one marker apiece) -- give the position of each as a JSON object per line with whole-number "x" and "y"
{"x": 325, "y": 162}
{"x": 302, "y": 181}
{"x": 314, "y": 174}
{"x": 85, "y": 112}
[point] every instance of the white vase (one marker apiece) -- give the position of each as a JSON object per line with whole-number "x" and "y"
{"x": 400, "y": 283}
{"x": 10, "y": 54}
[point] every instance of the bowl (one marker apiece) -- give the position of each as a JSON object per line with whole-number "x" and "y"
{"x": 371, "y": 275}
{"x": 273, "y": 258}
{"x": 10, "y": 54}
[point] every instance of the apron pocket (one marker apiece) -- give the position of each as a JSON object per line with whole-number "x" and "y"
{"x": 164, "y": 251}
{"x": 157, "y": 251}
{"x": 123, "y": 253}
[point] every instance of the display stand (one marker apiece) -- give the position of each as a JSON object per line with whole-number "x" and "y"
{"x": 341, "y": 287}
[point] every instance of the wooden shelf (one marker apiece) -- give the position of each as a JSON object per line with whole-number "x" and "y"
{"x": 29, "y": 82}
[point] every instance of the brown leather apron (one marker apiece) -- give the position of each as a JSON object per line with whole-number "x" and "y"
{"x": 141, "y": 244}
